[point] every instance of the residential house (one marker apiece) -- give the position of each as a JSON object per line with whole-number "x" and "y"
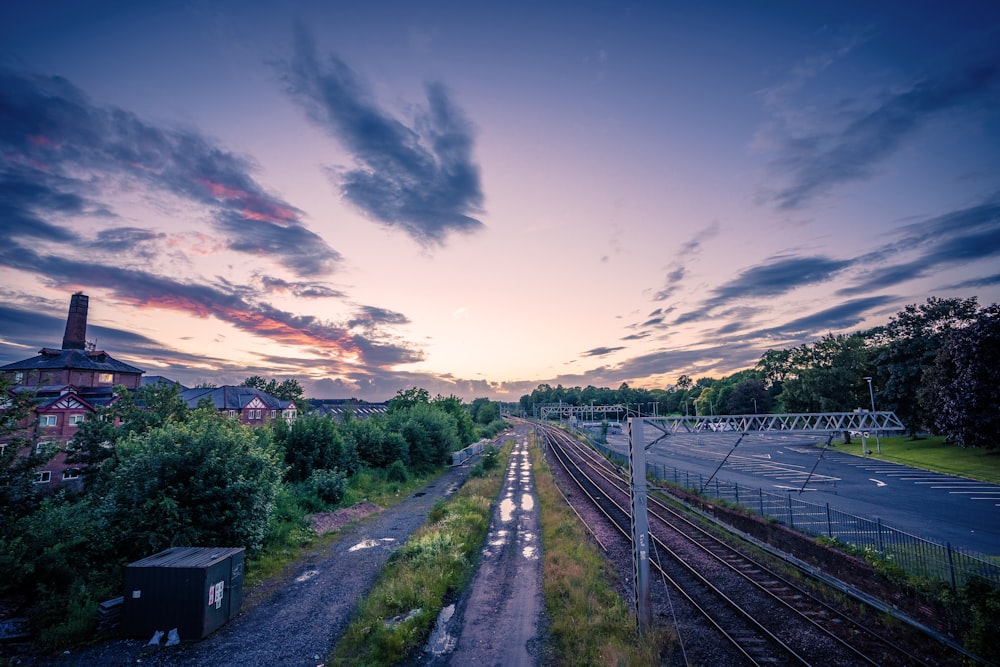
{"x": 252, "y": 406}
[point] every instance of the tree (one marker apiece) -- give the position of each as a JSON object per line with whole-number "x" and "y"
{"x": 908, "y": 345}
{"x": 408, "y": 398}
{"x": 827, "y": 376}
{"x": 484, "y": 411}
{"x": 464, "y": 424}
{"x": 205, "y": 482}
{"x": 131, "y": 412}
{"x": 376, "y": 444}
{"x": 19, "y": 458}
{"x": 749, "y": 397}
{"x": 961, "y": 389}
{"x": 430, "y": 433}
{"x": 288, "y": 389}
{"x": 312, "y": 443}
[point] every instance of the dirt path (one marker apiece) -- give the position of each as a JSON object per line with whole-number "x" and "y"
{"x": 302, "y": 617}
{"x": 497, "y": 620}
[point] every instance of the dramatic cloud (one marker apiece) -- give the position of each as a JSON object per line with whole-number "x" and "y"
{"x": 778, "y": 276}
{"x": 61, "y": 154}
{"x": 602, "y": 351}
{"x": 958, "y": 237}
{"x": 858, "y": 137}
{"x": 841, "y": 317}
{"x": 300, "y": 289}
{"x": 146, "y": 290}
{"x": 420, "y": 178}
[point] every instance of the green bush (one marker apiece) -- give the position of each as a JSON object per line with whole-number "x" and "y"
{"x": 397, "y": 472}
{"x": 328, "y": 485}
{"x": 203, "y": 482}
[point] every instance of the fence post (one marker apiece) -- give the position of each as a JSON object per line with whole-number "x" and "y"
{"x": 760, "y": 493}
{"x": 791, "y": 519}
{"x": 737, "y": 489}
{"x": 878, "y": 537}
{"x": 829, "y": 523}
{"x": 951, "y": 568}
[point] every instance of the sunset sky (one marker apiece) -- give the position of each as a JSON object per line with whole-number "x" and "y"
{"x": 479, "y": 197}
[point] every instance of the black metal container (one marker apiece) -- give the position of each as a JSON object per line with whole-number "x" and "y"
{"x": 193, "y": 589}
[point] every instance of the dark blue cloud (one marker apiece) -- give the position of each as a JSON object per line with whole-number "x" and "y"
{"x": 777, "y": 276}
{"x": 813, "y": 164}
{"x": 958, "y": 237}
{"x": 300, "y": 289}
{"x": 421, "y": 178}
{"x": 50, "y": 133}
{"x": 602, "y": 351}
{"x": 843, "y": 316}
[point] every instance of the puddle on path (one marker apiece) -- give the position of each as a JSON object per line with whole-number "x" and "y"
{"x": 368, "y": 544}
{"x": 442, "y": 641}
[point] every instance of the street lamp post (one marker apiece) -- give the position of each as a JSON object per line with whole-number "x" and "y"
{"x": 871, "y": 393}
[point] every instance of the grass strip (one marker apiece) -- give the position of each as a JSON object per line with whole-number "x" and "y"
{"x": 590, "y": 624}
{"x": 437, "y": 562}
{"x": 932, "y": 453}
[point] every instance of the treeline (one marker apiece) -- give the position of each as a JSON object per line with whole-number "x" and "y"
{"x": 157, "y": 474}
{"x": 936, "y": 365}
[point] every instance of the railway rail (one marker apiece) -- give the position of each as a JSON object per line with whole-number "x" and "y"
{"x": 760, "y": 615}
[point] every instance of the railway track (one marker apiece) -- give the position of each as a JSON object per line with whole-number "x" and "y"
{"x": 753, "y": 614}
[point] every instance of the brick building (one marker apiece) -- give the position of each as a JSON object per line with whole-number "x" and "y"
{"x": 252, "y": 406}
{"x": 69, "y": 384}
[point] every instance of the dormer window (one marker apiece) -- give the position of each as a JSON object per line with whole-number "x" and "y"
{"x": 105, "y": 378}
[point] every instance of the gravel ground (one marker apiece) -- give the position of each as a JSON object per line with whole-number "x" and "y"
{"x": 294, "y": 622}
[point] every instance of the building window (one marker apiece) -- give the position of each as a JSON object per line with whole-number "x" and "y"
{"x": 71, "y": 473}
{"x": 105, "y": 378}
{"x": 75, "y": 420}
{"x": 18, "y": 377}
{"x": 233, "y": 413}
{"x": 43, "y": 477}
{"x": 3, "y": 448}
{"x": 48, "y": 420}
{"x": 274, "y": 413}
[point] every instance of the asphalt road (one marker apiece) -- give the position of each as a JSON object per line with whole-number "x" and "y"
{"x": 942, "y": 508}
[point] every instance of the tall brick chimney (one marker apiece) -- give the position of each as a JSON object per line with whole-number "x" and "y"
{"x": 75, "y": 337}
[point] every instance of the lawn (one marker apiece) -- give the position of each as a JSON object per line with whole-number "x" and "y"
{"x": 933, "y": 453}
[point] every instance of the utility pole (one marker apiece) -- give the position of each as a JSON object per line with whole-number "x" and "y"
{"x": 640, "y": 522}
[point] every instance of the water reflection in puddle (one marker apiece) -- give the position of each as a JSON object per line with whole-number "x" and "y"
{"x": 368, "y": 544}
{"x": 506, "y": 510}
{"x": 442, "y": 641}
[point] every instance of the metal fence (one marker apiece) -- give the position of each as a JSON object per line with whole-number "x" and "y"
{"x": 915, "y": 555}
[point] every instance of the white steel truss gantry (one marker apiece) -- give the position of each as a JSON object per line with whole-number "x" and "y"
{"x": 861, "y": 421}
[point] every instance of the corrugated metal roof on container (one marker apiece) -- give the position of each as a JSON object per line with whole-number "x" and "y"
{"x": 193, "y": 557}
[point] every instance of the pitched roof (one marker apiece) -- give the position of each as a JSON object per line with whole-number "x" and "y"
{"x": 232, "y": 398}
{"x": 50, "y": 359}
